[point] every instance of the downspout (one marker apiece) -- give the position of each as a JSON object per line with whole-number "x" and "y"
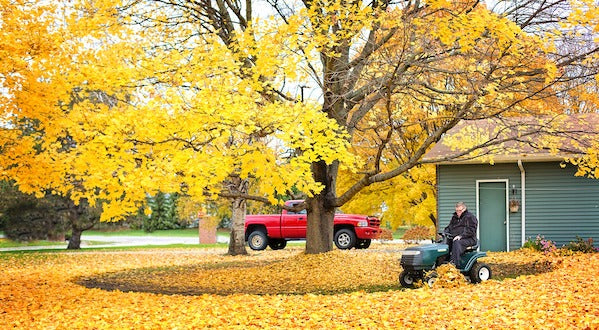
{"x": 437, "y": 198}
{"x": 523, "y": 197}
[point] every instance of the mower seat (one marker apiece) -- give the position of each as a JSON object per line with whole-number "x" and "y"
{"x": 472, "y": 248}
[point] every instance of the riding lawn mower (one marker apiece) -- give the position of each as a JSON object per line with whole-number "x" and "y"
{"x": 419, "y": 263}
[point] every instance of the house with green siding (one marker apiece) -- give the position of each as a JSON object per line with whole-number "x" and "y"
{"x": 518, "y": 191}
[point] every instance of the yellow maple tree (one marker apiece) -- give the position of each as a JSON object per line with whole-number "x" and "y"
{"x": 179, "y": 96}
{"x": 138, "y": 113}
{"x": 408, "y": 199}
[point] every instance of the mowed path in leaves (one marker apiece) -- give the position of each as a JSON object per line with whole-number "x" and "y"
{"x": 198, "y": 288}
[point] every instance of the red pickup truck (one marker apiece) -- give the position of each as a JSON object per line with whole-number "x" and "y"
{"x": 274, "y": 230}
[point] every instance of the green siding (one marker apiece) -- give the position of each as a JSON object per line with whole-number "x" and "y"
{"x": 458, "y": 183}
{"x": 559, "y": 205}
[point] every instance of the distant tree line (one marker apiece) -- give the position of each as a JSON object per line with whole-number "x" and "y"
{"x": 25, "y": 218}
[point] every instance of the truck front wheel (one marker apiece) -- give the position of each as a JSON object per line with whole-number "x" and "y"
{"x": 345, "y": 239}
{"x": 257, "y": 240}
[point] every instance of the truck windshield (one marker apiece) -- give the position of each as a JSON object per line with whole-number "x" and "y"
{"x": 304, "y": 211}
{"x": 299, "y": 212}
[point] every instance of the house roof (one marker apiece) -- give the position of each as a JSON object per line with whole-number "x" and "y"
{"x": 507, "y": 140}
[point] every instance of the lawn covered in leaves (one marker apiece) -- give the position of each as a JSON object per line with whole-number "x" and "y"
{"x": 198, "y": 288}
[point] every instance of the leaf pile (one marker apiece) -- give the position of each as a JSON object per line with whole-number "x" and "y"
{"x": 38, "y": 290}
{"x": 448, "y": 277}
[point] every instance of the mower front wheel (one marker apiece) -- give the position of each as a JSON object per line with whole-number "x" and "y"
{"x": 408, "y": 279}
{"x": 431, "y": 278}
{"x": 480, "y": 272}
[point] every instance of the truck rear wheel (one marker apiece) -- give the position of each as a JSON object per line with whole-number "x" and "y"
{"x": 345, "y": 239}
{"x": 258, "y": 240}
{"x": 277, "y": 244}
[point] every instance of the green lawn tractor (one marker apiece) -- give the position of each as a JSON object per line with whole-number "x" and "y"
{"x": 419, "y": 263}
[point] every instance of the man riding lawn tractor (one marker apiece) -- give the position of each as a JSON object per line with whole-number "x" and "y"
{"x": 459, "y": 244}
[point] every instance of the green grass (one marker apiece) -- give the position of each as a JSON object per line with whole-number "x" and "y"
{"x": 191, "y": 232}
{"x": 144, "y": 247}
{"x": 398, "y": 234}
{"x": 6, "y": 243}
{"x": 400, "y": 231}
{"x": 118, "y": 248}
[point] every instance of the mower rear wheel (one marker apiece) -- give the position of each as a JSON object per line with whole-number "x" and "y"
{"x": 480, "y": 272}
{"x": 408, "y": 279}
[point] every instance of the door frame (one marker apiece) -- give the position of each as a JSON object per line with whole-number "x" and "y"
{"x": 507, "y": 211}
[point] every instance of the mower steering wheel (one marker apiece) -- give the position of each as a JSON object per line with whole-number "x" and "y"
{"x": 445, "y": 237}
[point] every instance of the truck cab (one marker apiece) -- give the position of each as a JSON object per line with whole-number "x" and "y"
{"x": 274, "y": 230}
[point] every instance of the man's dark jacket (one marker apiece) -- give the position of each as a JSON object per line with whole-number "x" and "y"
{"x": 464, "y": 226}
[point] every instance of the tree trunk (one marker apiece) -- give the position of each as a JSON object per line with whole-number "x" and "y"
{"x": 75, "y": 241}
{"x": 82, "y": 218}
{"x": 319, "y": 235}
{"x": 321, "y": 210}
{"x": 434, "y": 221}
{"x": 237, "y": 238}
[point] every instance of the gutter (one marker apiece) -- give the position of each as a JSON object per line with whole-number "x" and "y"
{"x": 523, "y": 198}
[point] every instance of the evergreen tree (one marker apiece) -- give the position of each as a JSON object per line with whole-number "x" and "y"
{"x": 164, "y": 213}
{"x": 27, "y": 218}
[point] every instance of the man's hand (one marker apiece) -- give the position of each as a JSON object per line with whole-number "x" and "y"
{"x": 457, "y": 238}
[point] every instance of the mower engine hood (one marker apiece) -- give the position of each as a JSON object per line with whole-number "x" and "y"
{"x": 423, "y": 256}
